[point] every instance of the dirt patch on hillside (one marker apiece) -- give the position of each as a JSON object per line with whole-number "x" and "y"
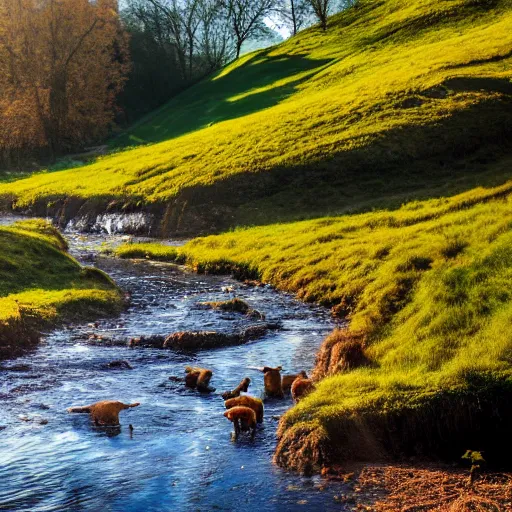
{"x": 340, "y": 352}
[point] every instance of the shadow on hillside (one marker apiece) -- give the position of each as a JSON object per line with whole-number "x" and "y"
{"x": 479, "y": 83}
{"x": 470, "y": 149}
{"x": 246, "y": 89}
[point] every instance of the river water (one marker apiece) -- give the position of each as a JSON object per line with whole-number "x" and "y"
{"x": 180, "y": 455}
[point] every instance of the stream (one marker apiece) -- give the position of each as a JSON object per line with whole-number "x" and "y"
{"x": 180, "y": 455}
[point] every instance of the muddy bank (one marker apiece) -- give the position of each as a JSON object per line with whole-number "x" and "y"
{"x": 201, "y": 210}
{"x": 163, "y": 220}
{"x": 18, "y": 336}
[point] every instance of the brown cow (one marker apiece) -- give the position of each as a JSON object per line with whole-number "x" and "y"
{"x": 244, "y": 418}
{"x": 272, "y": 381}
{"x": 287, "y": 380}
{"x": 247, "y": 401}
{"x": 301, "y": 387}
{"x": 104, "y": 413}
{"x": 243, "y": 386}
{"x": 198, "y": 378}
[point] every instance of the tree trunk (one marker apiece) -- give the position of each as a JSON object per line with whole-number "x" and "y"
{"x": 294, "y": 18}
{"x": 58, "y": 110}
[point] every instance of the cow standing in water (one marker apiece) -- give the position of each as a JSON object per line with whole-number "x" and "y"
{"x": 104, "y": 413}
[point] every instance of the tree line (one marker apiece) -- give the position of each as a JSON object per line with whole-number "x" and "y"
{"x": 71, "y": 70}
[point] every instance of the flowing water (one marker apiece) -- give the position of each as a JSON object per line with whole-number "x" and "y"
{"x": 180, "y": 455}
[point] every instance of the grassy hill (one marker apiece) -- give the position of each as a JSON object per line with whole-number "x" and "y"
{"x": 40, "y": 285}
{"x": 397, "y": 100}
{"x": 425, "y": 365}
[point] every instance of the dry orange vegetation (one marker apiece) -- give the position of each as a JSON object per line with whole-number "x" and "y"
{"x": 62, "y": 64}
{"x": 389, "y": 488}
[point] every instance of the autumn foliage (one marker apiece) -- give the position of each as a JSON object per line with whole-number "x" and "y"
{"x": 62, "y": 64}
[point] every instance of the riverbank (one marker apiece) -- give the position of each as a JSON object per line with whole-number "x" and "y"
{"x": 180, "y": 448}
{"x": 426, "y": 289}
{"x": 42, "y": 286}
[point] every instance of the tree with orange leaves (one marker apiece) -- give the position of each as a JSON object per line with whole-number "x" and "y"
{"x": 62, "y": 64}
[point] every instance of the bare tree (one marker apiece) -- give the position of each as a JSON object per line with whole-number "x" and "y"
{"x": 246, "y": 18}
{"x": 182, "y": 20}
{"x": 156, "y": 74}
{"x": 174, "y": 43}
{"x": 294, "y": 14}
{"x": 321, "y": 9}
{"x": 216, "y": 42}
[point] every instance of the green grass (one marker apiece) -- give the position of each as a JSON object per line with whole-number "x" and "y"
{"x": 428, "y": 288}
{"x": 41, "y": 285}
{"x": 397, "y": 100}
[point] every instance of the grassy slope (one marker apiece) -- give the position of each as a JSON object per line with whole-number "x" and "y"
{"x": 40, "y": 284}
{"x": 427, "y": 287}
{"x": 395, "y": 101}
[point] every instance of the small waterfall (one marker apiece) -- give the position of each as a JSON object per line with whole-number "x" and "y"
{"x": 137, "y": 223}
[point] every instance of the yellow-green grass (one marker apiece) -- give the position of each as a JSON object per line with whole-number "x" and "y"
{"x": 398, "y": 99}
{"x": 428, "y": 288}
{"x": 42, "y": 285}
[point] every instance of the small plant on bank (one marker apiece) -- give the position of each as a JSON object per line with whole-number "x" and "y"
{"x": 477, "y": 461}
